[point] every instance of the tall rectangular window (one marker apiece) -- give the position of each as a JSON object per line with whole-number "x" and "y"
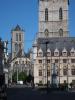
{"x": 73, "y": 71}
{"x": 72, "y": 60}
{"x": 64, "y": 60}
{"x": 56, "y": 60}
{"x": 48, "y": 61}
{"x": 40, "y": 61}
{"x": 19, "y": 37}
{"x": 60, "y": 14}
{"x": 46, "y": 14}
{"x": 65, "y": 71}
{"x": 16, "y": 36}
{"x": 48, "y": 72}
{"x": 40, "y": 72}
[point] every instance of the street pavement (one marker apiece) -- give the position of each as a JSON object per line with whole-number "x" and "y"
{"x": 34, "y": 94}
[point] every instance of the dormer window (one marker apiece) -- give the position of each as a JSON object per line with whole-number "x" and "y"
{"x": 56, "y": 52}
{"x": 64, "y": 52}
{"x": 72, "y": 52}
{"x": 48, "y": 52}
{"x": 40, "y": 53}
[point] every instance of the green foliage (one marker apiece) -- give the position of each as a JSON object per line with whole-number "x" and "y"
{"x": 21, "y": 76}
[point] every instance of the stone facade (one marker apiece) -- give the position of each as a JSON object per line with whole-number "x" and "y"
{"x": 54, "y": 50}
{"x": 61, "y": 53}
{"x": 17, "y": 41}
{"x": 20, "y": 64}
{"x": 53, "y": 18}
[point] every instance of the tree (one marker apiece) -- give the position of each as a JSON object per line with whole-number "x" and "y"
{"x": 21, "y": 76}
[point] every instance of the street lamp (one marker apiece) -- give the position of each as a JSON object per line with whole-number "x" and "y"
{"x": 67, "y": 72}
{"x": 46, "y": 63}
{"x": 17, "y": 72}
{"x": 59, "y": 70}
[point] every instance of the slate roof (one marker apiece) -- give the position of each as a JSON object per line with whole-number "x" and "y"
{"x": 17, "y": 28}
{"x": 59, "y": 43}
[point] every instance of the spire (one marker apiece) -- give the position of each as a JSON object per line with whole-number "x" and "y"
{"x": 17, "y": 28}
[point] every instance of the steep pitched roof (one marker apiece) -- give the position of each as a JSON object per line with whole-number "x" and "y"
{"x": 17, "y": 28}
{"x": 59, "y": 43}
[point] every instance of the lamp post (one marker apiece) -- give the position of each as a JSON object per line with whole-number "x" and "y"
{"x": 47, "y": 64}
{"x": 17, "y": 72}
{"x": 67, "y": 72}
{"x": 59, "y": 70}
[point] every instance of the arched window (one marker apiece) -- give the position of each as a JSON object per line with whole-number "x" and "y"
{"x": 60, "y": 14}
{"x": 46, "y": 32}
{"x": 61, "y": 32}
{"x": 46, "y": 14}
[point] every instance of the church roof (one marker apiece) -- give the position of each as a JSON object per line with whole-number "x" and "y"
{"x": 59, "y": 43}
{"x": 17, "y": 28}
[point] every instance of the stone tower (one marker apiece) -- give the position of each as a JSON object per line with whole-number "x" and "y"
{"x": 53, "y": 18}
{"x": 17, "y": 42}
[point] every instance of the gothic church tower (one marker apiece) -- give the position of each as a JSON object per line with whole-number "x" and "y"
{"x": 53, "y": 18}
{"x": 17, "y": 42}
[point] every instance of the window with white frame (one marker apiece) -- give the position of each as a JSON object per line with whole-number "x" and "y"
{"x": 40, "y": 72}
{"x": 64, "y": 70}
{"x": 64, "y": 52}
{"x": 56, "y": 52}
{"x": 48, "y": 53}
{"x": 40, "y": 61}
